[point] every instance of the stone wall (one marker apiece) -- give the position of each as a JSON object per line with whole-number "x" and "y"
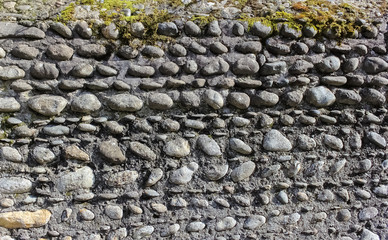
{"x": 223, "y": 133}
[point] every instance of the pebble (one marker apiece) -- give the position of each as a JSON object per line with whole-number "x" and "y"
{"x": 47, "y": 105}
{"x": 125, "y": 102}
{"x": 142, "y": 151}
{"x": 333, "y": 142}
{"x": 195, "y": 226}
{"x": 14, "y": 185}
{"x": 368, "y": 235}
{"x": 114, "y": 212}
{"x": 214, "y": 99}
{"x": 329, "y": 64}
{"x": 376, "y": 139}
{"x": 368, "y": 213}
{"x": 344, "y": 215}
{"x": 275, "y": 141}
{"x": 143, "y": 232}
{"x": 82, "y": 178}
{"x": 86, "y": 214}
{"x": 112, "y": 152}
{"x": 43, "y": 155}
{"x": 216, "y": 172}
{"x": 244, "y": 171}
{"x": 226, "y": 223}
{"x": 10, "y": 154}
{"x": 25, "y": 219}
{"x": 240, "y": 146}
{"x": 160, "y": 101}
{"x": 177, "y": 147}
{"x": 184, "y": 174}
{"x": 208, "y": 145}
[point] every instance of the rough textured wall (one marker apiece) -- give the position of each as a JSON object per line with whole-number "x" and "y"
{"x": 223, "y": 133}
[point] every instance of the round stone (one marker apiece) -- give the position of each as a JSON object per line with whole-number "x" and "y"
{"x": 114, "y": 212}
{"x": 178, "y": 147}
{"x": 85, "y": 103}
{"x": 60, "y": 52}
{"x": 10, "y": 154}
{"x": 275, "y": 141}
{"x": 125, "y": 102}
{"x": 43, "y": 155}
{"x": 239, "y": 100}
{"x": 160, "y": 101}
{"x": 320, "y": 96}
{"x": 208, "y": 146}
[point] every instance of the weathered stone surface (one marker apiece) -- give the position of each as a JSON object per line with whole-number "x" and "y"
{"x": 10, "y": 154}
{"x": 249, "y": 47}
{"x": 125, "y": 102}
{"x": 208, "y": 146}
{"x": 25, "y": 219}
{"x": 140, "y": 71}
{"x": 246, "y": 66}
{"x": 74, "y": 152}
{"x": 42, "y": 70}
{"x": 25, "y": 52}
{"x": 213, "y": 99}
{"x": 329, "y": 64}
{"x": 265, "y": 99}
{"x": 9, "y": 104}
{"x": 273, "y": 68}
{"x": 82, "y": 178}
{"x": 275, "y": 141}
{"x": 14, "y": 30}
{"x": 239, "y": 100}
{"x": 142, "y": 151}
{"x": 374, "y": 65}
{"x": 243, "y": 171}
{"x": 261, "y": 30}
{"x": 177, "y": 147}
{"x": 160, "y": 101}
{"x": 239, "y": 146}
{"x": 216, "y": 67}
{"x": 60, "y": 52}
{"x": 43, "y": 155}
{"x": 11, "y": 73}
{"x": 121, "y": 178}
{"x": 184, "y": 174}
{"x": 47, "y": 105}
{"x": 85, "y": 103}
{"x": 320, "y": 96}
{"x": 167, "y": 29}
{"x": 61, "y": 29}
{"x": 112, "y": 152}
{"x": 12, "y": 185}
{"x": 92, "y": 50}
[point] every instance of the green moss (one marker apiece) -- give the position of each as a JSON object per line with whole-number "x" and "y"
{"x": 202, "y": 20}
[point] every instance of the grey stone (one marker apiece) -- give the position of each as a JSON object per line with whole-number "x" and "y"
{"x": 86, "y": 127}
{"x": 226, "y": 223}
{"x": 261, "y": 30}
{"x": 273, "y": 68}
{"x": 249, "y": 47}
{"x": 246, "y": 66}
{"x": 177, "y": 147}
{"x": 47, "y": 105}
{"x": 350, "y": 65}
{"x": 216, "y": 172}
{"x": 190, "y": 99}
{"x": 171, "y": 125}
{"x": 127, "y": 52}
{"x": 82, "y": 178}
{"x": 10, "y": 154}
{"x": 329, "y": 64}
{"x": 242, "y": 172}
{"x": 114, "y": 127}
{"x": 309, "y": 31}
{"x": 195, "y": 226}
{"x": 265, "y": 99}
{"x": 57, "y": 130}
{"x": 216, "y": 67}
{"x": 61, "y": 29}
{"x": 376, "y": 139}
{"x": 43, "y": 155}
{"x": 143, "y": 232}
{"x": 83, "y": 29}
{"x": 14, "y": 30}
{"x": 306, "y": 143}
{"x": 110, "y": 31}
{"x": 346, "y": 96}
{"x": 334, "y": 80}
{"x": 192, "y": 29}
{"x": 218, "y": 48}
{"x": 275, "y": 141}
{"x": 373, "y": 96}
{"x": 114, "y": 212}
{"x": 213, "y": 29}
{"x": 240, "y": 146}
{"x": 293, "y": 98}
{"x": 42, "y": 70}
{"x": 300, "y": 48}
{"x": 9, "y": 104}
{"x": 368, "y": 235}
{"x": 2, "y": 53}
{"x": 60, "y": 52}
{"x": 106, "y": 70}
{"x": 177, "y": 50}
{"x": 282, "y": 197}
{"x": 238, "y": 29}
{"x": 125, "y": 102}
{"x": 197, "y": 48}
{"x": 14, "y": 185}
{"x": 254, "y": 222}
{"x": 25, "y": 52}
{"x": 301, "y": 67}
{"x": 184, "y": 174}
{"x": 320, "y": 96}
{"x": 369, "y": 31}
{"x": 152, "y": 51}
{"x": 155, "y": 175}
{"x": 190, "y": 67}
{"x": 213, "y": 99}
{"x": 368, "y": 213}
{"x": 239, "y": 100}
{"x": 92, "y": 50}
{"x": 240, "y": 122}
{"x": 169, "y": 68}
{"x": 140, "y": 71}
{"x": 333, "y": 142}
{"x": 381, "y": 191}
{"x": 112, "y": 152}
{"x": 86, "y": 214}
{"x": 83, "y": 70}
{"x": 159, "y": 101}
{"x": 326, "y": 196}
{"x": 137, "y": 29}
{"x": 121, "y": 86}
{"x": 208, "y": 145}
{"x": 11, "y": 73}
{"x": 344, "y": 215}
{"x": 168, "y": 29}
{"x": 374, "y": 65}
{"x": 290, "y": 32}
{"x": 142, "y": 151}
{"x": 122, "y": 178}
{"x": 277, "y": 47}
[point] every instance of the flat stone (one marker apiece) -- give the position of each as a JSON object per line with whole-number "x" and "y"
{"x": 195, "y": 226}
{"x": 14, "y": 185}
{"x": 218, "y": 48}
{"x": 114, "y": 212}
{"x": 142, "y": 151}
{"x": 60, "y": 52}
{"x": 85, "y": 103}
{"x": 110, "y": 31}
{"x": 11, "y": 73}
{"x": 61, "y": 29}
{"x": 333, "y": 142}
{"x": 242, "y": 172}
{"x": 25, "y": 219}
{"x": 58, "y": 130}
{"x": 47, "y": 105}
{"x": 373, "y": 96}
{"x": 213, "y": 29}
{"x": 86, "y": 214}
{"x": 377, "y": 139}
{"x": 140, "y": 71}
{"x": 239, "y": 146}
{"x": 106, "y": 70}
{"x": 374, "y": 65}
{"x": 112, "y": 152}
{"x": 334, "y": 80}
{"x": 10, "y": 154}
{"x": 143, "y": 232}
{"x": 169, "y": 68}
{"x": 254, "y": 222}
{"x": 122, "y": 178}
{"x": 184, "y": 174}
{"x": 329, "y": 64}
{"x": 226, "y": 223}
{"x": 216, "y": 67}
{"x": 74, "y": 152}
{"x": 381, "y": 191}
{"x": 92, "y": 50}
{"x": 192, "y": 29}
{"x": 14, "y": 30}
{"x": 214, "y": 99}
{"x": 215, "y": 172}
{"x": 155, "y": 175}
{"x": 152, "y": 51}
{"x": 265, "y": 99}
{"x": 42, "y": 70}
{"x": 320, "y": 96}
{"x": 82, "y": 70}
{"x": 275, "y": 141}
{"x": 273, "y": 68}
{"x": 83, "y": 29}
{"x": 208, "y": 145}
{"x": 125, "y": 102}
{"x": 25, "y": 52}
{"x": 368, "y": 213}
{"x": 168, "y": 29}
{"x": 301, "y": 67}
{"x": 82, "y": 178}
{"x": 239, "y": 100}
{"x": 346, "y": 96}
{"x": 9, "y": 104}
{"x": 43, "y": 155}
{"x": 246, "y": 66}
{"x": 178, "y": 147}
{"x": 160, "y": 101}
{"x": 177, "y": 50}
{"x": 249, "y": 47}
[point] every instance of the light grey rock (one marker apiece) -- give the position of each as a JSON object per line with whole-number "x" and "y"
{"x": 140, "y": 71}
{"x": 190, "y": 67}
{"x": 14, "y": 30}
{"x": 11, "y": 73}
{"x": 333, "y": 142}
{"x": 373, "y": 96}
{"x": 177, "y": 50}
{"x": 197, "y": 48}
{"x": 192, "y": 29}
{"x": 326, "y": 196}
{"x": 346, "y": 96}
{"x": 160, "y": 101}
{"x": 114, "y": 212}
{"x": 226, "y": 223}
{"x": 85, "y": 103}
{"x": 2, "y": 53}
{"x": 276, "y": 142}
{"x": 320, "y": 96}
{"x": 171, "y": 125}
{"x": 60, "y": 52}
{"x": 249, "y": 47}
{"x": 282, "y": 197}
{"x": 338, "y": 166}
{"x": 246, "y": 66}
{"x": 239, "y": 100}
{"x": 293, "y": 98}
{"x": 184, "y": 174}
{"x": 14, "y": 185}
{"x": 265, "y": 99}
{"x": 178, "y": 147}
{"x": 344, "y": 215}
{"x": 381, "y": 191}
{"x": 213, "y": 99}
{"x": 290, "y": 32}
{"x": 261, "y": 30}
{"x": 243, "y": 171}
{"x": 10, "y": 154}
{"x": 92, "y": 50}
{"x": 329, "y": 64}
{"x": 190, "y": 99}
{"x": 137, "y": 29}
{"x": 254, "y": 222}
{"x": 218, "y": 48}
{"x": 368, "y": 213}
{"x": 125, "y": 102}
{"x": 143, "y": 232}
{"x": 47, "y": 105}
{"x": 86, "y": 214}
{"x": 61, "y": 29}
{"x": 208, "y": 145}
{"x": 9, "y": 104}
{"x": 152, "y": 51}
{"x": 142, "y": 151}
{"x": 376, "y": 139}
{"x": 106, "y": 70}
{"x": 368, "y": 235}
{"x": 301, "y": 67}
{"x": 122, "y": 178}
{"x": 43, "y": 155}
{"x": 216, "y": 172}
{"x": 306, "y": 143}
{"x": 276, "y": 46}
{"x": 110, "y": 31}
{"x": 273, "y": 68}
{"x": 195, "y": 227}
{"x": 238, "y": 29}
{"x": 169, "y": 68}
{"x": 374, "y": 65}
{"x": 43, "y": 70}
{"x": 240, "y": 146}
{"x": 127, "y": 52}
{"x": 350, "y": 65}
{"x": 216, "y": 67}
{"x": 155, "y": 175}
{"x": 58, "y": 130}
{"x": 82, "y": 70}
{"x": 112, "y": 152}
{"x": 87, "y": 127}
{"x": 213, "y": 29}
{"x": 82, "y": 178}
{"x": 168, "y": 29}
{"x": 82, "y": 28}
{"x": 25, "y": 52}
{"x": 334, "y": 80}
